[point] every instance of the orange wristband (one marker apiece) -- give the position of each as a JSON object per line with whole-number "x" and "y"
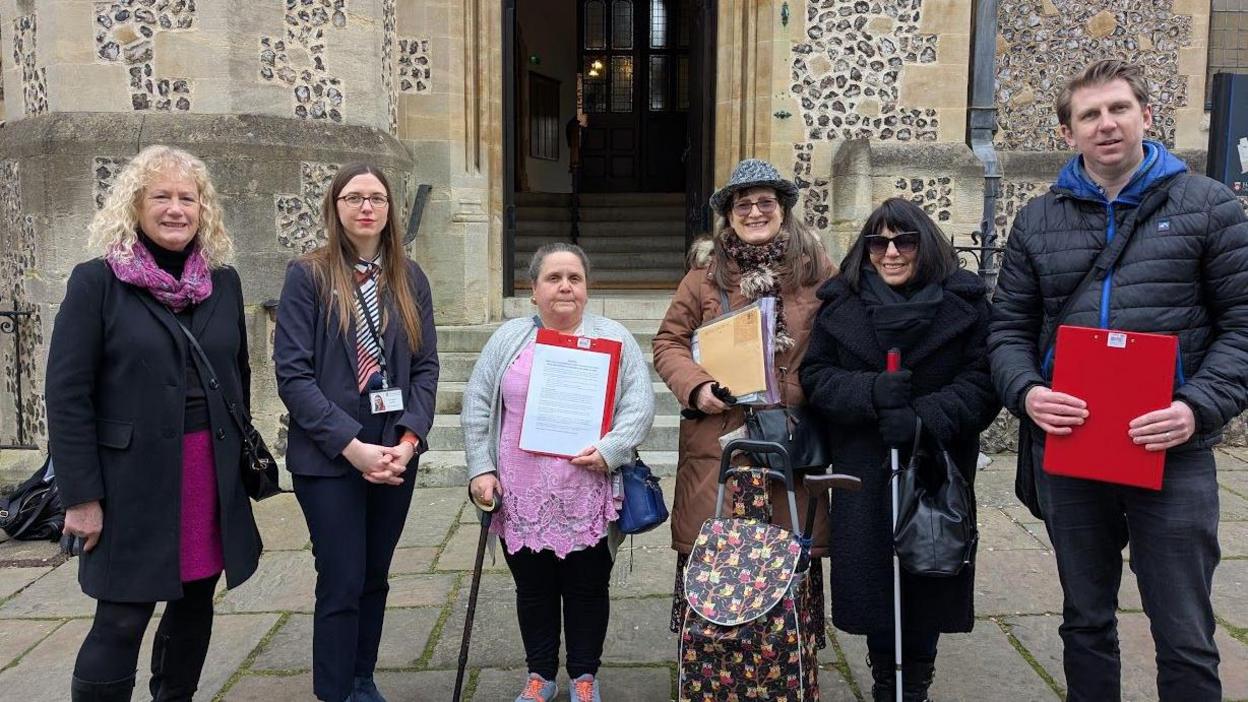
{"x": 412, "y": 439}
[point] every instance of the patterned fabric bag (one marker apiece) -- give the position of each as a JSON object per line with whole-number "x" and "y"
{"x": 749, "y": 630}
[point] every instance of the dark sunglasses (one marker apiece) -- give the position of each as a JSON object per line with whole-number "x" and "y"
{"x": 905, "y": 242}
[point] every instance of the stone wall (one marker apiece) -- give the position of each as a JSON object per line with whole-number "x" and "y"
{"x": 1040, "y": 41}
{"x": 311, "y": 60}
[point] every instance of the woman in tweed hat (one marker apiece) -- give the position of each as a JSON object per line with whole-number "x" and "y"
{"x": 760, "y": 248}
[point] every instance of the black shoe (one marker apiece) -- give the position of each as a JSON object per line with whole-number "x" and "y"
{"x": 916, "y": 678}
{"x": 883, "y": 686}
{"x": 116, "y": 691}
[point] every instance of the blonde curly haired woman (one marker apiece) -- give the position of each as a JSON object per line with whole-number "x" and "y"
{"x": 147, "y": 457}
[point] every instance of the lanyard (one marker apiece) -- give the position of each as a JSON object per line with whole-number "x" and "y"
{"x": 372, "y": 329}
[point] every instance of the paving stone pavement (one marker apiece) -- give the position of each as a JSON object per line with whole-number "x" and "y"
{"x": 261, "y": 648}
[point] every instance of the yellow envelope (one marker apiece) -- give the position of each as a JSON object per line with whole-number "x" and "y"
{"x": 731, "y": 350}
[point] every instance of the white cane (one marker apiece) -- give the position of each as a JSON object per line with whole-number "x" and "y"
{"x": 894, "y": 365}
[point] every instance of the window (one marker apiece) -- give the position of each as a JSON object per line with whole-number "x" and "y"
{"x": 621, "y": 84}
{"x": 1228, "y": 41}
{"x": 595, "y": 25}
{"x": 595, "y": 84}
{"x": 658, "y": 24}
{"x": 622, "y": 24}
{"x": 658, "y": 84}
{"x": 543, "y": 117}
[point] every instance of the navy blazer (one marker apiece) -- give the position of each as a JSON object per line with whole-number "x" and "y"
{"x": 316, "y": 374}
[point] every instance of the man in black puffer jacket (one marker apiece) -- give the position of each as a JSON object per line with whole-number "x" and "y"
{"x": 1184, "y": 271}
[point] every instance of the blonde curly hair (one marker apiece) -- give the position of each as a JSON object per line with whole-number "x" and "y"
{"x": 113, "y": 230}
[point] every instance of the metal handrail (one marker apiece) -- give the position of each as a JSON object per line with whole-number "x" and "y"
{"x": 10, "y": 323}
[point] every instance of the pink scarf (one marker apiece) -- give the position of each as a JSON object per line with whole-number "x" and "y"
{"x": 140, "y": 269}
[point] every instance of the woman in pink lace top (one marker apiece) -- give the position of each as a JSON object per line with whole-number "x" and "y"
{"x": 556, "y": 517}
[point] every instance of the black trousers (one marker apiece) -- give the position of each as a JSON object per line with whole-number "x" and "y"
{"x": 354, "y": 526}
{"x": 580, "y": 583}
{"x": 110, "y": 651}
{"x": 1173, "y": 535}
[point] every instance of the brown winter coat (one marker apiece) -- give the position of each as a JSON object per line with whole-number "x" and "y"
{"x": 695, "y": 302}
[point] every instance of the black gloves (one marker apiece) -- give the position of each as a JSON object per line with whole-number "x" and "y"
{"x": 891, "y": 390}
{"x": 897, "y": 426}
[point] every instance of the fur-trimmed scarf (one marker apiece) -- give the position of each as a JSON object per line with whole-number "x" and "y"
{"x": 140, "y": 270}
{"x": 760, "y": 277}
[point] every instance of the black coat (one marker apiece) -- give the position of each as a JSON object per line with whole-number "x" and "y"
{"x": 1184, "y": 272}
{"x": 316, "y": 379}
{"x": 116, "y": 393}
{"x": 953, "y": 396}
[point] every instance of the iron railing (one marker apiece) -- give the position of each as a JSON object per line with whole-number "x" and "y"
{"x": 11, "y": 323}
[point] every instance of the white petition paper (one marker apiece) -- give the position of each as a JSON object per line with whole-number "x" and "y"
{"x": 564, "y": 406}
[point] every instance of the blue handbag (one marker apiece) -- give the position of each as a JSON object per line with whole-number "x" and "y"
{"x": 643, "y": 507}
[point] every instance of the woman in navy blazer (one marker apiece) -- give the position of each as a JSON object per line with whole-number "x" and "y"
{"x": 360, "y": 393}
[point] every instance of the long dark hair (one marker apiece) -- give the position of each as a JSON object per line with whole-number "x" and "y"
{"x": 935, "y": 260}
{"x": 333, "y": 264}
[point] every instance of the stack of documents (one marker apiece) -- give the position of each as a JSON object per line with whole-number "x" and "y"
{"x": 737, "y": 349}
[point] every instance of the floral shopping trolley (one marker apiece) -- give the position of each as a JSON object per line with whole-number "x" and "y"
{"x": 747, "y": 633}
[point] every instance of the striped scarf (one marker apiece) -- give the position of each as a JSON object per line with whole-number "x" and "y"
{"x": 367, "y": 347}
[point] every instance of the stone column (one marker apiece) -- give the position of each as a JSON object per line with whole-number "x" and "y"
{"x": 449, "y": 99}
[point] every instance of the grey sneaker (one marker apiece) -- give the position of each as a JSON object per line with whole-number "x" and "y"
{"x": 585, "y": 689}
{"x": 538, "y": 689}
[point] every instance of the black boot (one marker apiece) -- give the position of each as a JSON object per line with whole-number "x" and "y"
{"x": 116, "y": 691}
{"x": 177, "y": 661}
{"x": 883, "y": 686}
{"x": 916, "y": 678}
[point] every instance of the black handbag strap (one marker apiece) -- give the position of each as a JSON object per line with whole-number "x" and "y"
{"x": 243, "y": 425}
{"x": 1104, "y": 261}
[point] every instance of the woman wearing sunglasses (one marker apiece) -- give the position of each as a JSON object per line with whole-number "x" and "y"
{"x": 900, "y": 287}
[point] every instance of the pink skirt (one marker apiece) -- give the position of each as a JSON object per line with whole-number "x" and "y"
{"x": 201, "y": 553}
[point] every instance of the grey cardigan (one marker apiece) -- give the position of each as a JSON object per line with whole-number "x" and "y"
{"x": 482, "y": 414}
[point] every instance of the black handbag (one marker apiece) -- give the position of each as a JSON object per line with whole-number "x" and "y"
{"x": 797, "y": 429}
{"x": 643, "y": 508}
{"x": 936, "y": 534}
{"x": 33, "y": 511}
{"x": 257, "y": 467}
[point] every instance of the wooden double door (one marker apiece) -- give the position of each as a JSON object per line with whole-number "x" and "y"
{"x": 638, "y": 74}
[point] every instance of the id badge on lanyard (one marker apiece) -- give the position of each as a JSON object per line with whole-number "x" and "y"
{"x": 387, "y": 399}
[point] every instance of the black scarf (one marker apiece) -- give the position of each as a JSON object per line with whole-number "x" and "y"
{"x": 901, "y": 316}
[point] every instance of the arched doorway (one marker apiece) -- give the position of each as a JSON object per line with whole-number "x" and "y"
{"x": 630, "y": 183}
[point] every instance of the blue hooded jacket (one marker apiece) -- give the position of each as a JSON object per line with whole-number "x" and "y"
{"x": 1158, "y": 164}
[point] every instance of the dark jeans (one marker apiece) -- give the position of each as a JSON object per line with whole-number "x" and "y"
{"x": 354, "y": 526}
{"x": 581, "y": 582}
{"x": 1173, "y": 535}
{"x": 110, "y": 651}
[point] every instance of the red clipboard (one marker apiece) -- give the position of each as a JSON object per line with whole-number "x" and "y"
{"x": 610, "y": 347}
{"x": 1121, "y": 375}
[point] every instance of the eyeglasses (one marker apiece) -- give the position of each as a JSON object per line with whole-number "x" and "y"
{"x": 766, "y": 206}
{"x": 357, "y": 201}
{"x": 905, "y": 243}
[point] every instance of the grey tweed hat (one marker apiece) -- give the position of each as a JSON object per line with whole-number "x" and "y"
{"x": 754, "y": 173}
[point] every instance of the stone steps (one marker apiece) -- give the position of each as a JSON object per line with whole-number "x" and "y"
{"x": 596, "y": 246}
{"x": 602, "y": 199}
{"x": 563, "y": 213}
{"x": 614, "y": 228}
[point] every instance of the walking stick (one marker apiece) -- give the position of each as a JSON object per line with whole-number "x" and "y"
{"x": 894, "y": 365}
{"x": 487, "y": 515}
